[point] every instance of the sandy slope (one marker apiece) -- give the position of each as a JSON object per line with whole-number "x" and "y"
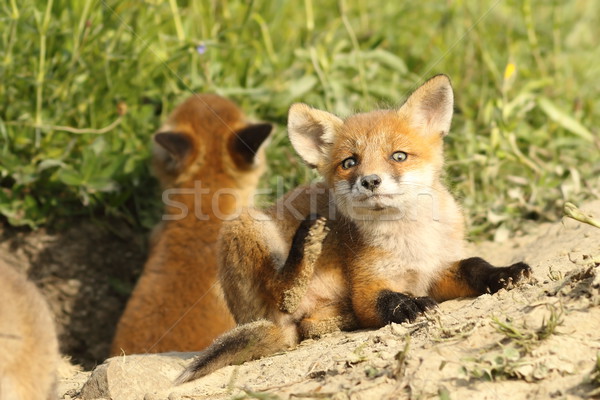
{"x": 540, "y": 340}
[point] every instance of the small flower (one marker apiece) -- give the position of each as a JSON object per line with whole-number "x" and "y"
{"x": 509, "y": 71}
{"x": 201, "y": 48}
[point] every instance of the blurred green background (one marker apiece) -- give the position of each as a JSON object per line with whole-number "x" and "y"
{"x": 85, "y": 83}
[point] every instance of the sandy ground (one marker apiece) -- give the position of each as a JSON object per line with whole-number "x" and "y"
{"x": 538, "y": 341}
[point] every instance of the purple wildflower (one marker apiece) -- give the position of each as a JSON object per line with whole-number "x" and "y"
{"x": 201, "y": 48}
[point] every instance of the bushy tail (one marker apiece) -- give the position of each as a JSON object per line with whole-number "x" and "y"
{"x": 243, "y": 343}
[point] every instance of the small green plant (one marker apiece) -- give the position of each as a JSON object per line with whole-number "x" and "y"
{"x": 497, "y": 365}
{"x": 372, "y": 372}
{"x": 359, "y": 354}
{"x": 401, "y": 358}
{"x": 444, "y": 393}
{"x": 509, "y": 358}
{"x": 555, "y": 276}
{"x": 526, "y": 338}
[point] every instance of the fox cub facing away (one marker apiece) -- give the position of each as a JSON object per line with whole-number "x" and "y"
{"x": 209, "y": 158}
{"x": 388, "y": 246}
{"x": 28, "y": 345}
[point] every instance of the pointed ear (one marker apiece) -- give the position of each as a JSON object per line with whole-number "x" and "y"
{"x": 430, "y": 107}
{"x": 311, "y": 131}
{"x": 247, "y": 141}
{"x": 178, "y": 145}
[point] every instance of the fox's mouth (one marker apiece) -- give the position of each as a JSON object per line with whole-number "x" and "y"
{"x": 373, "y": 197}
{"x": 374, "y": 202}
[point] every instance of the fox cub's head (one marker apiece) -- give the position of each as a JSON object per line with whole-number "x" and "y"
{"x": 208, "y": 138}
{"x": 378, "y": 162}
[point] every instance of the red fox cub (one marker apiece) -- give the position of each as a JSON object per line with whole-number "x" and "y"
{"x": 209, "y": 159}
{"x": 28, "y": 346}
{"x": 394, "y": 245}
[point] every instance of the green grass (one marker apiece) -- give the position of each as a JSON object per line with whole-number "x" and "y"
{"x": 521, "y": 143}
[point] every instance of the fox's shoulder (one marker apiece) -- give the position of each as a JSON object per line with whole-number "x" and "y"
{"x": 22, "y": 294}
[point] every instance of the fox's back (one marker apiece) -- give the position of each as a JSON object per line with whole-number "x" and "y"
{"x": 28, "y": 344}
{"x": 208, "y": 158}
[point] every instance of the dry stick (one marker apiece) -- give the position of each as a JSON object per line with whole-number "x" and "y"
{"x": 324, "y": 395}
{"x": 285, "y": 385}
{"x": 83, "y": 131}
{"x": 70, "y": 129}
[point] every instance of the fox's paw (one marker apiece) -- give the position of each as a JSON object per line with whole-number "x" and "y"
{"x": 508, "y": 277}
{"x": 300, "y": 264}
{"x": 307, "y": 244}
{"x": 399, "y": 307}
{"x": 313, "y": 243}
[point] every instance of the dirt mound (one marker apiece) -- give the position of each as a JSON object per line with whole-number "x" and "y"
{"x": 539, "y": 340}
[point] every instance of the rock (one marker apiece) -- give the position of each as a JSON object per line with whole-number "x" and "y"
{"x": 134, "y": 377}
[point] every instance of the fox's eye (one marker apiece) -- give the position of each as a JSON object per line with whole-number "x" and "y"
{"x": 349, "y": 163}
{"x": 399, "y": 156}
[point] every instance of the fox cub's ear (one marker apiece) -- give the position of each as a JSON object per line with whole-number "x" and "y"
{"x": 311, "y": 131}
{"x": 247, "y": 141}
{"x": 172, "y": 152}
{"x": 430, "y": 107}
{"x": 177, "y": 145}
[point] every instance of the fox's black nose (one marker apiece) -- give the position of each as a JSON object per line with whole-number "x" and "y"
{"x": 370, "y": 182}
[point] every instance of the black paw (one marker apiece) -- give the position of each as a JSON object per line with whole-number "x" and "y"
{"x": 305, "y": 227}
{"x": 508, "y": 277}
{"x": 311, "y": 230}
{"x": 398, "y": 307}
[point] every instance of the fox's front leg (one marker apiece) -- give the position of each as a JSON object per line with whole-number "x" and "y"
{"x": 376, "y": 305}
{"x": 292, "y": 279}
{"x": 475, "y": 276}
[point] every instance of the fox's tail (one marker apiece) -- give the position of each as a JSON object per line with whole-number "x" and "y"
{"x": 243, "y": 343}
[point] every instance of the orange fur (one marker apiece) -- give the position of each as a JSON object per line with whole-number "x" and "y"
{"x": 450, "y": 285}
{"x": 364, "y": 299}
{"x": 177, "y": 304}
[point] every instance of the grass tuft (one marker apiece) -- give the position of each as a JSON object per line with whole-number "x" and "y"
{"x": 524, "y": 139}
{"x": 526, "y": 338}
{"x": 511, "y": 359}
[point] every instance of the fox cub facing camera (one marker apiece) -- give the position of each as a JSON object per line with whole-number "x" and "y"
{"x": 387, "y": 246}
